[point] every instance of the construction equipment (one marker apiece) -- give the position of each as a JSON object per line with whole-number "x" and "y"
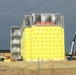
{"x": 9, "y": 59}
{"x": 72, "y": 54}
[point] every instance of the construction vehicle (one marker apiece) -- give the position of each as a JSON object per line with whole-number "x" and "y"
{"x": 72, "y": 54}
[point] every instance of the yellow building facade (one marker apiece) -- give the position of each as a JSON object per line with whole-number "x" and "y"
{"x": 43, "y": 42}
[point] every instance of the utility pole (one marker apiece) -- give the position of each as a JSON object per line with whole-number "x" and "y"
{"x": 38, "y": 67}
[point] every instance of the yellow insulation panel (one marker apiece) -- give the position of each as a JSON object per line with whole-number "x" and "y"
{"x": 43, "y": 42}
{"x": 26, "y": 44}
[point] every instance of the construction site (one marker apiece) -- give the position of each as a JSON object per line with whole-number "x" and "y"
{"x": 37, "y": 47}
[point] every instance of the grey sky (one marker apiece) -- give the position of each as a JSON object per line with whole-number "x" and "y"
{"x": 12, "y": 12}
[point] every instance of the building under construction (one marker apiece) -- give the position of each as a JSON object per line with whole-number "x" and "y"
{"x": 43, "y": 37}
{"x": 15, "y": 34}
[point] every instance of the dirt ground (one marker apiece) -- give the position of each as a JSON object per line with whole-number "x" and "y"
{"x": 44, "y": 68}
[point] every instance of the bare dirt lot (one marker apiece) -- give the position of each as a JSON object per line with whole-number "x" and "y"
{"x": 31, "y": 68}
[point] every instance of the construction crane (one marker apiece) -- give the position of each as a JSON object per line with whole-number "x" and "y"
{"x": 71, "y": 56}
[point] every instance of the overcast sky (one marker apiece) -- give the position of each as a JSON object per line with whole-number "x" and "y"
{"x": 12, "y": 12}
